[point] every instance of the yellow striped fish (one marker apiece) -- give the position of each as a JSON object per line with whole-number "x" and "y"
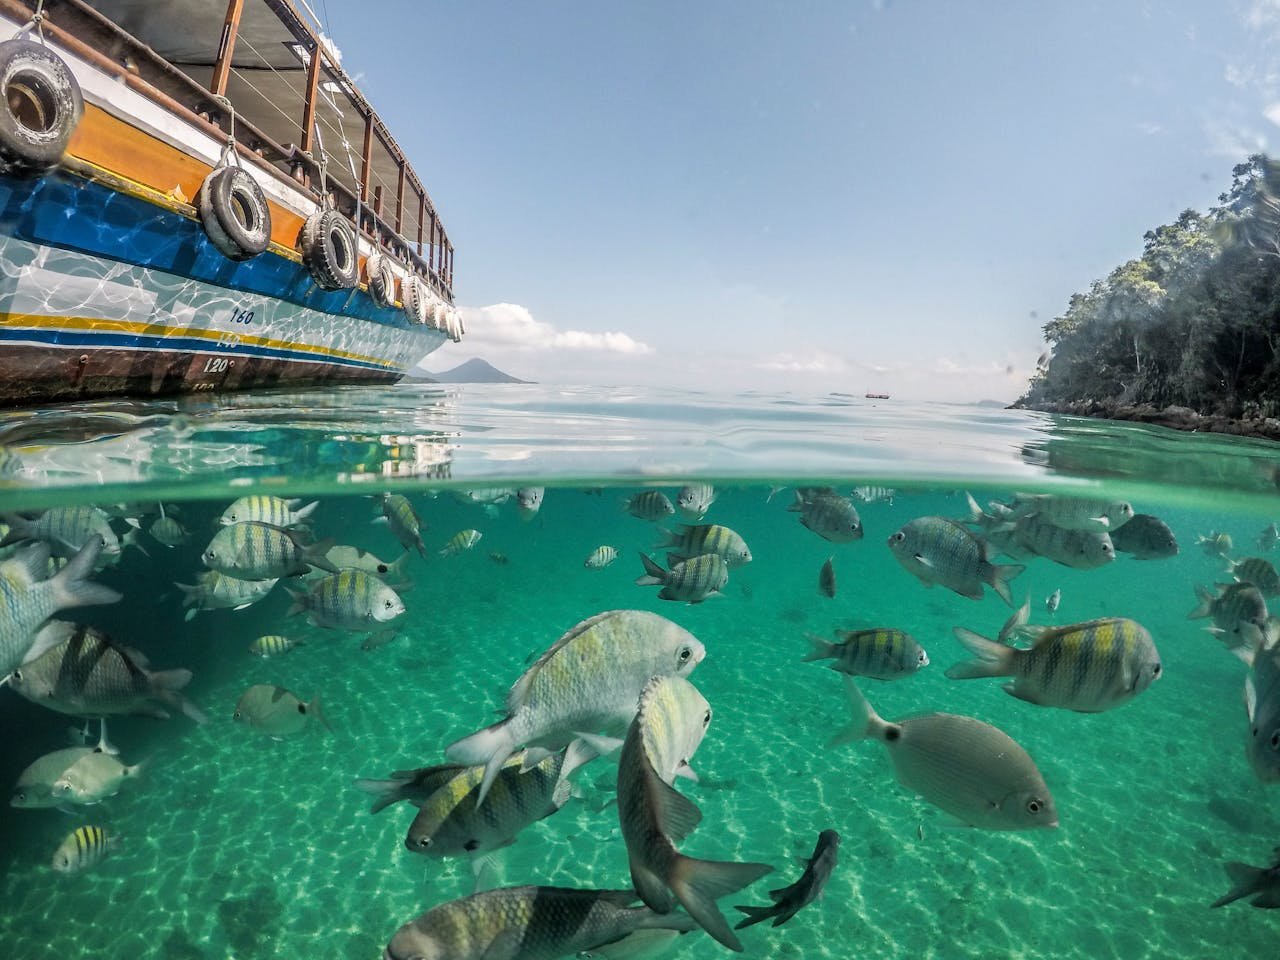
{"x": 253, "y": 550}
{"x": 83, "y": 848}
{"x": 1088, "y": 667}
{"x": 601, "y": 557}
{"x": 266, "y": 509}
{"x": 273, "y": 645}
{"x": 691, "y": 580}
{"x": 462, "y": 540}
{"x": 694, "y": 540}
{"x": 883, "y": 653}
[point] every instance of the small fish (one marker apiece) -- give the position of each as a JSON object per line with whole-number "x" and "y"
{"x": 529, "y": 502}
{"x": 694, "y": 540}
{"x": 167, "y": 532}
{"x": 379, "y": 639}
{"x": 1145, "y": 538}
{"x": 1088, "y": 667}
{"x": 350, "y": 600}
{"x": 787, "y": 901}
{"x": 399, "y": 515}
{"x": 1017, "y": 620}
{"x": 827, "y": 514}
{"x": 34, "y": 788}
{"x": 938, "y": 550}
{"x": 883, "y": 653}
{"x": 601, "y": 557}
{"x": 528, "y": 923}
{"x": 649, "y": 505}
{"x": 827, "y": 579}
{"x": 694, "y": 500}
{"x": 1257, "y": 571}
{"x": 93, "y": 777}
{"x": 83, "y": 848}
{"x": 343, "y": 557}
{"x": 273, "y": 645}
{"x": 689, "y": 581}
{"x": 498, "y": 557}
{"x": 1269, "y": 537}
{"x": 1052, "y": 601}
{"x": 460, "y": 541}
{"x": 1215, "y": 544}
{"x": 874, "y": 494}
{"x": 263, "y": 508}
{"x": 1261, "y": 883}
{"x": 967, "y": 768}
{"x": 216, "y": 591}
{"x": 485, "y": 496}
{"x": 1074, "y": 513}
{"x": 1235, "y": 604}
{"x": 276, "y": 711}
{"x": 252, "y": 550}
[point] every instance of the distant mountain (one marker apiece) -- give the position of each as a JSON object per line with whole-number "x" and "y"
{"x": 474, "y": 370}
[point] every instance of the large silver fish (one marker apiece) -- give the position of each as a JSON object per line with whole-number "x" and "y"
{"x": 1074, "y": 513}
{"x": 670, "y": 723}
{"x": 938, "y": 550}
{"x": 588, "y": 681}
{"x": 35, "y": 784}
{"x": 967, "y": 768}
{"x": 527, "y": 923}
{"x": 66, "y": 530}
{"x": 1078, "y": 549}
{"x": 1088, "y": 667}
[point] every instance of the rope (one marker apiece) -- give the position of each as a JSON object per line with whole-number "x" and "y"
{"x": 229, "y": 154}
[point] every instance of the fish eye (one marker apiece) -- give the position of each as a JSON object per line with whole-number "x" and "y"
{"x": 1034, "y": 805}
{"x": 423, "y": 842}
{"x": 706, "y": 718}
{"x": 1275, "y": 740}
{"x": 898, "y": 537}
{"x": 17, "y": 676}
{"x": 1155, "y": 671}
{"x": 685, "y": 654}
{"x": 382, "y": 568}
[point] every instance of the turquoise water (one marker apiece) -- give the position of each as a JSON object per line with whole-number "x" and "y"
{"x": 237, "y": 845}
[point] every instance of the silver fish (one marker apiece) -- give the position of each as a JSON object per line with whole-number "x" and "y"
{"x": 649, "y": 505}
{"x": 1235, "y": 605}
{"x": 588, "y": 681}
{"x": 276, "y": 711}
{"x": 601, "y": 557}
{"x": 1078, "y": 549}
{"x": 66, "y": 530}
{"x": 1262, "y": 704}
{"x": 938, "y": 550}
{"x": 828, "y": 514}
{"x": 410, "y": 786}
{"x": 883, "y": 653}
{"x": 965, "y": 767}
{"x": 1052, "y": 601}
{"x": 694, "y": 500}
{"x": 529, "y": 502}
{"x": 1257, "y": 571}
{"x": 168, "y": 532}
{"x": 787, "y": 901}
{"x": 1145, "y": 538}
{"x": 343, "y": 557}
{"x": 216, "y": 591}
{"x": 83, "y": 848}
{"x": 93, "y": 777}
{"x": 1088, "y": 667}
{"x": 1269, "y": 537}
{"x": 1215, "y": 544}
{"x": 1017, "y": 619}
{"x": 264, "y": 508}
{"x": 695, "y": 540}
{"x": 527, "y": 923}
{"x": 1261, "y": 883}
{"x": 349, "y": 600}
{"x": 1074, "y": 513}
{"x": 671, "y": 720}
{"x": 35, "y": 784}
{"x": 869, "y": 494}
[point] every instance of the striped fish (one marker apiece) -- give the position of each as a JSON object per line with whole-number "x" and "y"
{"x": 261, "y": 508}
{"x": 1079, "y": 549}
{"x": 253, "y": 550}
{"x": 411, "y": 786}
{"x": 398, "y": 514}
{"x": 66, "y": 530}
{"x": 601, "y": 557}
{"x": 829, "y": 515}
{"x": 649, "y": 505}
{"x": 1088, "y": 667}
{"x": 691, "y": 580}
{"x": 460, "y": 541}
{"x": 348, "y": 600}
{"x": 273, "y": 645}
{"x": 1235, "y": 605}
{"x": 1257, "y": 571}
{"x": 938, "y": 550}
{"x": 167, "y": 531}
{"x": 693, "y": 540}
{"x": 694, "y": 500}
{"x": 883, "y": 653}
{"x": 1074, "y": 513}
{"x": 83, "y": 848}
{"x": 216, "y": 591}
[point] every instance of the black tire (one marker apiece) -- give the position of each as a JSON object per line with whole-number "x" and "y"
{"x": 413, "y": 293}
{"x": 40, "y": 107}
{"x": 329, "y": 250}
{"x": 234, "y": 212}
{"x": 381, "y": 279}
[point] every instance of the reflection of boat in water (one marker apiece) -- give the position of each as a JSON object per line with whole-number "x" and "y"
{"x": 877, "y": 396}
{"x": 195, "y": 196}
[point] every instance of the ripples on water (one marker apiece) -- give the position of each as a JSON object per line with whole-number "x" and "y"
{"x": 237, "y": 845}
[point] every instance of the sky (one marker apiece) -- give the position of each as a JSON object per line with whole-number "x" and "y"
{"x": 872, "y": 195}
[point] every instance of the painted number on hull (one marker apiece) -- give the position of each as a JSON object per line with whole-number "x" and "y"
{"x": 242, "y": 316}
{"x": 215, "y": 365}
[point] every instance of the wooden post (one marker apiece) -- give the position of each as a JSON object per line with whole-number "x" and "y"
{"x": 366, "y": 158}
{"x": 400, "y": 197}
{"x": 313, "y": 92}
{"x": 226, "y": 48}
{"x": 422, "y": 215}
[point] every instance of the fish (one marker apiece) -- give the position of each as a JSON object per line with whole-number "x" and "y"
{"x": 601, "y": 557}
{"x": 34, "y": 787}
{"x": 379, "y": 639}
{"x": 27, "y": 599}
{"x": 398, "y": 514}
{"x": 883, "y": 653}
{"x": 1088, "y": 514}
{"x": 1017, "y": 619}
{"x": 343, "y": 557}
{"x": 938, "y": 550}
{"x": 450, "y": 822}
{"x": 1052, "y": 601}
{"x": 1269, "y": 537}
{"x": 79, "y": 670}
{"x": 788, "y": 900}
{"x": 1215, "y": 544}
{"x": 1078, "y": 549}
{"x": 93, "y": 777}
{"x": 216, "y": 591}
{"x": 527, "y": 923}
{"x": 263, "y": 508}
{"x": 694, "y": 500}
{"x": 869, "y": 494}
{"x": 1087, "y": 667}
{"x": 84, "y": 847}
{"x": 1262, "y": 705}
{"x": 1236, "y": 604}
{"x": 460, "y": 541}
{"x": 827, "y": 514}
{"x": 273, "y": 645}
{"x": 276, "y": 711}
{"x": 1261, "y": 883}
{"x": 1145, "y": 538}
{"x": 66, "y": 530}
{"x": 588, "y": 681}
{"x": 252, "y": 550}
{"x": 648, "y": 505}
{"x": 690, "y": 581}
{"x": 1257, "y": 571}
{"x": 485, "y": 496}
{"x": 498, "y": 557}
{"x": 670, "y": 722}
{"x": 350, "y": 600}
{"x": 529, "y": 502}
{"x": 827, "y": 579}
{"x": 967, "y": 768}
{"x": 695, "y": 540}
{"x": 409, "y": 786}
{"x": 167, "y": 532}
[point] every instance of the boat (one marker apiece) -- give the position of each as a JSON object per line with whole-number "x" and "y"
{"x": 876, "y": 396}
{"x": 195, "y": 196}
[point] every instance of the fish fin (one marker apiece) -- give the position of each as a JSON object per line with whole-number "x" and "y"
{"x": 579, "y": 751}
{"x": 519, "y": 691}
{"x": 299, "y": 597}
{"x": 130, "y": 539}
{"x": 924, "y": 561}
{"x": 653, "y": 574}
{"x": 303, "y": 513}
{"x": 490, "y": 746}
{"x": 865, "y": 721}
{"x": 315, "y": 554}
{"x": 47, "y": 637}
{"x": 994, "y": 659}
{"x": 797, "y": 505}
{"x": 1245, "y": 881}
{"x": 384, "y": 792}
{"x": 754, "y": 915}
{"x": 1013, "y": 690}
{"x": 1206, "y": 604}
{"x": 533, "y": 756}
{"x": 674, "y": 558}
{"x": 602, "y": 745}
{"x": 190, "y": 614}
{"x": 686, "y": 770}
{"x": 71, "y": 586}
{"x": 1001, "y": 574}
{"x": 1268, "y": 899}
{"x": 676, "y": 813}
{"x": 698, "y": 884}
{"x": 639, "y": 944}
{"x": 484, "y": 872}
{"x": 652, "y": 891}
{"x": 1250, "y": 697}
{"x": 819, "y": 649}
{"x": 314, "y": 708}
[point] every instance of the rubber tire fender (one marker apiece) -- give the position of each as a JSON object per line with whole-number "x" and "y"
{"x": 39, "y": 84}
{"x": 329, "y": 250}
{"x": 381, "y": 279}
{"x": 234, "y": 212}
{"x": 414, "y": 294}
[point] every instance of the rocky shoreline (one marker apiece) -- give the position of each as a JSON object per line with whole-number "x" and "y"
{"x": 1177, "y": 418}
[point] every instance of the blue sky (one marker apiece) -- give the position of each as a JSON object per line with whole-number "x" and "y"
{"x": 807, "y": 196}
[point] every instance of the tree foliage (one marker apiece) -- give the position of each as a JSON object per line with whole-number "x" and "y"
{"x": 1194, "y": 321}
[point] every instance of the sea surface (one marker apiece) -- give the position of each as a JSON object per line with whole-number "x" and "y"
{"x": 236, "y": 845}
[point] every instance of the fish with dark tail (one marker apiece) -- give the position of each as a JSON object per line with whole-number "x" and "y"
{"x": 788, "y": 900}
{"x": 1261, "y": 883}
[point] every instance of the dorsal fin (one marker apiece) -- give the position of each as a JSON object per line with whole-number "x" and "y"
{"x": 519, "y": 691}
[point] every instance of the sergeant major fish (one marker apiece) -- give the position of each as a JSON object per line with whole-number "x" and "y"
{"x": 252, "y": 550}
{"x": 1079, "y": 549}
{"x": 349, "y": 600}
{"x": 83, "y": 848}
{"x": 827, "y": 514}
{"x": 405, "y": 526}
{"x": 884, "y": 653}
{"x": 264, "y": 508}
{"x": 601, "y": 557}
{"x": 695, "y": 540}
{"x": 1237, "y": 604}
{"x": 66, "y": 530}
{"x": 273, "y": 645}
{"x": 649, "y": 505}
{"x": 694, "y": 500}
{"x": 1269, "y": 537}
{"x": 827, "y": 579}
{"x": 1074, "y": 513}
{"x": 1257, "y": 571}
{"x": 691, "y": 581}
{"x": 787, "y": 901}
{"x": 1145, "y": 538}
{"x": 460, "y": 541}
{"x": 216, "y": 591}
{"x": 938, "y": 550}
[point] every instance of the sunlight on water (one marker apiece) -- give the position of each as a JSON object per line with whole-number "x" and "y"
{"x": 233, "y": 844}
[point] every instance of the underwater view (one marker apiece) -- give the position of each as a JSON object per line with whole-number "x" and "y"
{"x": 799, "y": 569}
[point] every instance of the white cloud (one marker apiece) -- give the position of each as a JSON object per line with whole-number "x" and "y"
{"x": 1150, "y": 128}
{"x": 815, "y": 362}
{"x": 510, "y": 326}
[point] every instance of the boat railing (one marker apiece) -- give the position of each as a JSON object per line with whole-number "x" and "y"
{"x": 288, "y": 163}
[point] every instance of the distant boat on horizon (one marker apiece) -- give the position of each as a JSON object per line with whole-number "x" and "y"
{"x": 876, "y": 396}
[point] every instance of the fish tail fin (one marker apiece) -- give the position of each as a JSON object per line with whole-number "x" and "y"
{"x": 994, "y": 659}
{"x": 864, "y": 722}
{"x": 1245, "y": 881}
{"x": 71, "y": 584}
{"x": 299, "y": 598}
{"x": 314, "y": 554}
{"x": 384, "y": 792}
{"x": 303, "y": 513}
{"x": 698, "y": 884}
{"x": 1206, "y": 603}
{"x": 398, "y": 567}
{"x": 653, "y": 574}
{"x": 314, "y": 708}
{"x": 669, "y": 539}
{"x": 579, "y": 751}
{"x": 976, "y": 513}
{"x": 819, "y": 649}
{"x": 754, "y": 915}
{"x": 130, "y": 539}
{"x": 490, "y": 746}
{"x": 645, "y": 943}
{"x": 1001, "y": 574}
{"x": 167, "y": 685}
{"x": 20, "y": 529}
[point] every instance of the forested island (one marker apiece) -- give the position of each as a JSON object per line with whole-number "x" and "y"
{"x": 1185, "y": 335}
